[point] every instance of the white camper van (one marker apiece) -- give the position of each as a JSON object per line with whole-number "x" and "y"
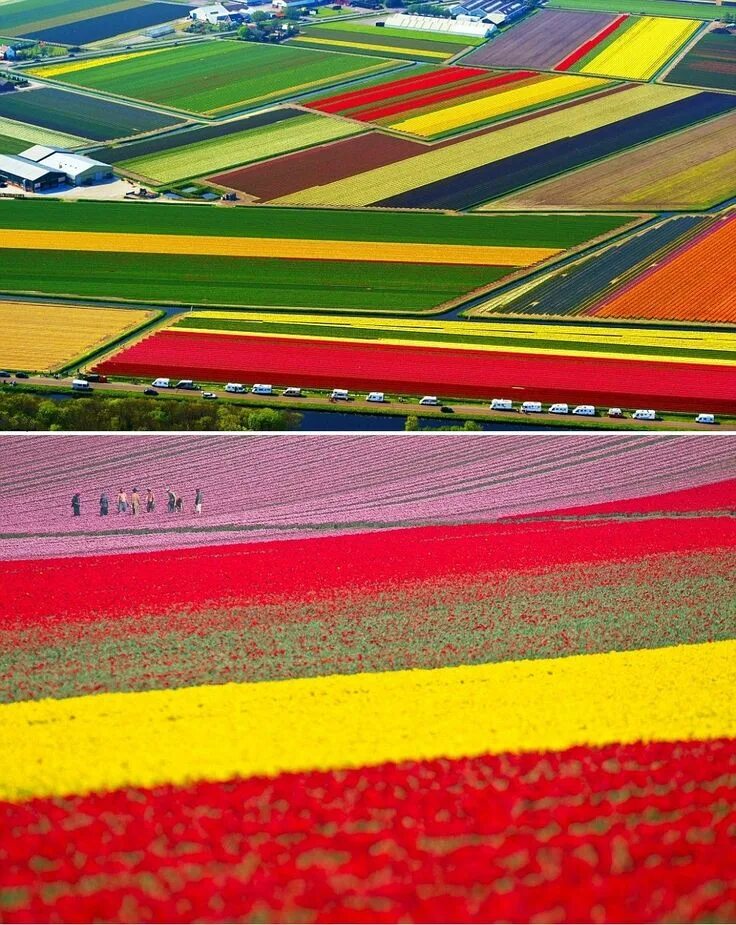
{"x": 292, "y": 392}
{"x": 586, "y": 410}
{"x": 501, "y": 404}
{"x": 259, "y": 389}
{"x": 705, "y": 419}
{"x": 81, "y": 385}
{"x": 531, "y": 407}
{"x": 375, "y": 396}
{"x": 234, "y": 387}
{"x": 559, "y": 408}
{"x": 429, "y": 400}
{"x": 643, "y": 414}
{"x": 162, "y": 383}
{"x": 340, "y": 395}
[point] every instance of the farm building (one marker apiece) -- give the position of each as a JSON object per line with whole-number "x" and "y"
{"x": 157, "y": 32}
{"x": 295, "y": 4}
{"x": 75, "y": 168}
{"x": 438, "y": 24}
{"x": 27, "y": 174}
{"x": 216, "y": 14}
{"x": 497, "y": 12}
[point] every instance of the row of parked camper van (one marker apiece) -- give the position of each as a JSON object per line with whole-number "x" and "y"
{"x": 535, "y": 407}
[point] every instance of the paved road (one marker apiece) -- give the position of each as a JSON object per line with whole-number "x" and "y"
{"x": 461, "y": 410}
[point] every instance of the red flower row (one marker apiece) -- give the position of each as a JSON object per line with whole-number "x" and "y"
{"x": 357, "y": 98}
{"x": 430, "y": 370}
{"x": 582, "y": 50}
{"x": 634, "y": 833}
{"x": 84, "y": 589}
{"x": 380, "y": 112}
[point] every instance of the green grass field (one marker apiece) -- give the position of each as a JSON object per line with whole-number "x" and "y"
{"x": 509, "y": 230}
{"x": 219, "y": 77}
{"x": 409, "y": 35}
{"x": 707, "y": 11}
{"x": 228, "y": 281}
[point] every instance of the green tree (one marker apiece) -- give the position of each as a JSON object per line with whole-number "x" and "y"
{"x": 411, "y": 423}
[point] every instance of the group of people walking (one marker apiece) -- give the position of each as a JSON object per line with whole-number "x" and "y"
{"x": 137, "y": 505}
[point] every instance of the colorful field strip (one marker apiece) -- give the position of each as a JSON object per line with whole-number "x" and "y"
{"x": 29, "y": 135}
{"x": 562, "y": 340}
{"x": 226, "y": 731}
{"x": 283, "y": 248}
{"x": 582, "y": 50}
{"x": 46, "y": 337}
{"x": 503, "y": 103}
{"x": 425, "y": 54}
{"x": 423, "y": 370}
{"x": 694, "y": 284}
{"x": 690, "y": 170}
{"x": 711, "y": 63}
{"x": 643, "y": 49}
{"x": 541, "y": 40}
{"x": 503, "y": 142}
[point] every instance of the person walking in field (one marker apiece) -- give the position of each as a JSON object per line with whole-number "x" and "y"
{"x": 122, "y": 502}
{"x": 150, "y": 501}
{"x": 76, "y": 504}
{"x": 104, "y": 504}
{"x": 198, "y": 499}
{"x": 172, "y": 500}
{"x": 135, "y": 502}
{"x": 179, "y": 505}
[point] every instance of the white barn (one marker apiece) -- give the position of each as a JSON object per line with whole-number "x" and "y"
{"x": 77, "y": 168}
{"x": 438, "y": 24}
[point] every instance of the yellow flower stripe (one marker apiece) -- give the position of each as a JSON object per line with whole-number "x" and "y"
{"x": 497, "y": 104}
{"x": 107, "y": 741}
{"x": 530, "y": 336}
{"x": 439, "y": 163}
{"x": 643, "y": 49}
{"x": 390, "y": 49}
{"x": 45, "y": 337}
{"x": 70, "y": 67}
{"x": 287, "y": 248}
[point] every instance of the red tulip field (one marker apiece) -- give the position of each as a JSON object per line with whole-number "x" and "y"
{"x": 375, "y": 679}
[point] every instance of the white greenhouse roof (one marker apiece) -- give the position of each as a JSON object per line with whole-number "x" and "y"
{"x": 436, "y": 24}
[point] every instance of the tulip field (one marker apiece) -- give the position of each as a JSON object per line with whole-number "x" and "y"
{"x": 202, "y": 708}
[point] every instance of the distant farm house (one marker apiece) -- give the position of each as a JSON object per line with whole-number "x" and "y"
{"x": 216, "y": 14}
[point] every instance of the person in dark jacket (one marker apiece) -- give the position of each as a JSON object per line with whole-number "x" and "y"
{"x": 104, "y": 504}
{"x": 76, "y": 504}
{"x": 150, "y": 501}
{"x": 172, "y": 500}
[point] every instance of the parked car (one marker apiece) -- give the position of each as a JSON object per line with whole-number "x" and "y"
{"x": 22, "y": 375}
{"x": 501, "y": 404}
{"x": 234, "y": 387}
{"x": 81, "y": 385}
{"x": 615, "y": 413}
{"x": 585, "y": 410}
{"x": 187, "y": 384}
{"x": 209, "y": 395}
{"x": 292, "y": 392}
{"x": 150, "y": 392}
{"x": 446, "y": 409}
{"x": 705, "y": 419}
{"x": 340, "y": 395}
{"x": 429, "y": 400}
{"x": 559, "y": 407}
{"x": 259, "y": 389}
{"x": 644, "y": 414}
{"x": 161, "y": 383}
{"x": 531, "y": 407}
{"x": 375, "y": 396}
{"x": 4, "y": 374}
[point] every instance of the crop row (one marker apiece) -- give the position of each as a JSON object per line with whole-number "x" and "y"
{"x": 429, "y": 371}
{"x": 334, "y": 482}
{"x": 42, "y": 337}
{"x": 643, "y": 49}
{"x": 448, "y": 160}
{"x": 694, "y": 283}
{"x": 582, "y": 339}
{"x": 711, "y": 63}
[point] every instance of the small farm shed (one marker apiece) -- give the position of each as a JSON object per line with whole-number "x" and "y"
{"x": 28, "y": 175}
{"x": 213, "y": 14}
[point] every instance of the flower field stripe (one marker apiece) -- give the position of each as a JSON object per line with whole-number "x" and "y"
{"x": 551, "y": 88}
{"x": 342, "y": 102}
{"x": 214, "y": 733}
{"x": 45, "y": 337}
{"x": 429, "y": 370}
{"x": 286, "y": 248}
{"x": 591, "y": 43}
{"x": 72, "y": 67}
{"x": 624, "y": 343}
{"x": 520, "y": 827}
{"x": 242, "y": 574}
{"x": 418, "y": 102}
{"x": 447, "y": 161}
{"x": 428, "y": 622}
{"x": 388, "y": 49}
{"x": 644, "y": 48}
